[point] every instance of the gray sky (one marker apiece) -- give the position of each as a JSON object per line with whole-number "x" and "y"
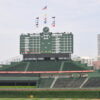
{"x": 82, "y": 17}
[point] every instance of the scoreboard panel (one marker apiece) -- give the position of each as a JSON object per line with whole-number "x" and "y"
{"x": 46, "y": 43}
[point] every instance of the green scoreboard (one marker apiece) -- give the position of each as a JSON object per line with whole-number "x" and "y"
{"x": 46, "y": 43}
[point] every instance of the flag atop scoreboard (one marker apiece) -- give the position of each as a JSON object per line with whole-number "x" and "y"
{"x": 46, "y": 45}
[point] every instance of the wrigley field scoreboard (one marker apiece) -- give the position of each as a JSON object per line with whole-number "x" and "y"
{"x": 46, "y": 45}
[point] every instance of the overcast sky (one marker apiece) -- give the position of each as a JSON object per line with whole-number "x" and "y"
{"x": 81, "y": 17}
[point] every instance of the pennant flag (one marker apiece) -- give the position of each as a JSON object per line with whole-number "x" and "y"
{"x": 53, "y": 22}
{"x": 37, "y": 22}
{"x": 44, "y": 8}
{"x": 45, "y": 20}
{"x": 53, "y": 17}
{"x": 37, "y": 17}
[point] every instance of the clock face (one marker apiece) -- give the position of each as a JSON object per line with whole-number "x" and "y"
{"x": 45, "y": 29}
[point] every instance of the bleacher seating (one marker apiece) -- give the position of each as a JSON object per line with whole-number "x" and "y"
{"x": 71, "y": 65}
{"x": 43, "y": 66}
{"x": 34, "y": 66}
{"x": 92, "y": 82}
{"x": 68, "y": 82}
{"x": 45, "y": 82}
{"x": 18, "y": 67}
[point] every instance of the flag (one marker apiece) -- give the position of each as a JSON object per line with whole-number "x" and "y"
{"x": 53, "y": 22}
{"x": 53, "y": 25}
{"x": 37, "y": 22}
{"x": 44, "y": 8}
{"x": 37, "y": 17}
{"x": 54, "y": 17}
{"x": 45, "y": 20}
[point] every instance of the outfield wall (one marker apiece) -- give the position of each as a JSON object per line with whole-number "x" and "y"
{"x": 50, "y": 94}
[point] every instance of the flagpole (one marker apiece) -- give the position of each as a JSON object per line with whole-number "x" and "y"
{"x": 45, "y": 18}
